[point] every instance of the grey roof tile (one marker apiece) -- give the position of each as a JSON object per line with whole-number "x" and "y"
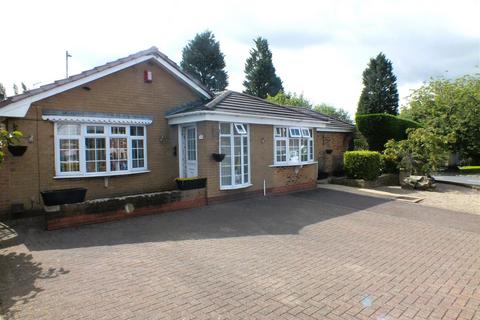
{"x": 242, "y": 103}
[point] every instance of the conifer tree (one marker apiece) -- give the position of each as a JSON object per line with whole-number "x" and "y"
{"x": 203, "y": 59}
{"x": 260, "y": 76}
{"x": 380, "y": 94}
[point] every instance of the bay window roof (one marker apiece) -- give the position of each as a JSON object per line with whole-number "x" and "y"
{"x": 95, "y": 117}
{"x": 234, "y": 106}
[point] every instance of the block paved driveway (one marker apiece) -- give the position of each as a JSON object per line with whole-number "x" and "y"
{"x": 319, "y": 254}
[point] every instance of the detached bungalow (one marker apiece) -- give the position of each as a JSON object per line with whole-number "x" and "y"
{"x": 133, "y": 125}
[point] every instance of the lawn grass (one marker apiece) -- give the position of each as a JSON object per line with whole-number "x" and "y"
{"x": 469, "y": 169}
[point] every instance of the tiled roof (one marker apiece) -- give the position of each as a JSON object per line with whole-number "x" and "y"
{"x": 151, "y": 51}
{"x": 333, "y": 122}
{"x": 244, "y": 104}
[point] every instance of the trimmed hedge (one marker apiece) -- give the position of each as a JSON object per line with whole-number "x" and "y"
{"x": 365, "y": 165}
{"x": 378, "y": 128}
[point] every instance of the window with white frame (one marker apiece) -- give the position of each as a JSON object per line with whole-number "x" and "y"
{"x": 293, "y": 145}
{"x": 137, "y": 136}
{"x": 97, "y": 150}
{"x": 235, "y": 167}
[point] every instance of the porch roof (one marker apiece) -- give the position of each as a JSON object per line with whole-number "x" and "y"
{"x": 244, "y": 107}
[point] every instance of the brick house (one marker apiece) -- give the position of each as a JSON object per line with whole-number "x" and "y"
{"x": 133, "y": 125}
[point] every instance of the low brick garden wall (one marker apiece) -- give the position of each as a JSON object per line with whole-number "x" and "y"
{"x": 109, "y": 209}
{"x": 389, "y": 179}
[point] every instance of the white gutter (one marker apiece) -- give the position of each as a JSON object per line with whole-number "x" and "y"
{"x": 197, "y": 116}
{"x": 333, "y": 130}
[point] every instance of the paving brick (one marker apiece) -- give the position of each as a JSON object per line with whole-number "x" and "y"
{"x": 308, "y": 255}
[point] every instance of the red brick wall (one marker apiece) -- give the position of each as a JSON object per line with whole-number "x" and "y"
{"x": 79, "y": 213}
{"x": 338, "y": 143}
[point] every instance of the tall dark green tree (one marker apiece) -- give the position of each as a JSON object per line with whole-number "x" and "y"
{"x": 203, "y": 59}
{"x": 15, "y": 89}
{"x": 380, "y": 94}
{"x": 260, "y": 77}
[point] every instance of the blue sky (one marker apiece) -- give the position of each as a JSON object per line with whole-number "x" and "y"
{"x": 319, "y": 48}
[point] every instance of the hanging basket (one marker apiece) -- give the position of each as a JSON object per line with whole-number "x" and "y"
{"x": 218, "y": 156}
{"x": 17, "y": 151}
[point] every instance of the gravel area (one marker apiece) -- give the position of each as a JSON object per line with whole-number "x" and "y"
{"x": 445, "y": 196}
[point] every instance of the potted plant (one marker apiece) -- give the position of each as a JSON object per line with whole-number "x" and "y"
{"x": 191, "y": 183}
{"x": 9, "y": 140}
{"x": 218, "y": 156}
{"x": 63, "y": 196}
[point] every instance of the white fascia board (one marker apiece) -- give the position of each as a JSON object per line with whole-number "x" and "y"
{"x": 15, "y": 110}
{"x": 242, "y": 118}
{"x": 191, "y": 83}
{"x": 327, "y": 129}
{"x": 76, "y": 119}
{"x": 20, "y": 108}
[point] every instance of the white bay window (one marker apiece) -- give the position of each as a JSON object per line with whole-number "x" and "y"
{"x": 293, "y": 146}
{"x": 235, "y": 167}
{"x": 99, "y": 150}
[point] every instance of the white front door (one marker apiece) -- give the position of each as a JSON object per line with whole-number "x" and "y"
{"x": 189, "y": 151}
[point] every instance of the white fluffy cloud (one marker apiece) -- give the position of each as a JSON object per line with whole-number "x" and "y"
{"x": 319, "y": 48}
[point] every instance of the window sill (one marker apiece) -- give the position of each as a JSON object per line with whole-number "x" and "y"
{"x": 238, "y": 186}
{"x": 101, "y": 175}
{"x": 300, "y": 164}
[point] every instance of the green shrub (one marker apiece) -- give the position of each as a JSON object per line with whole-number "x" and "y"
{"x": 422, "y": 153}
{"x": 360, "y": 144}
{"x": 359, "y": 141}
{"x": 389, "y": 164}
{"x": 378, "y": 128}
{"x": 362, "y": 164}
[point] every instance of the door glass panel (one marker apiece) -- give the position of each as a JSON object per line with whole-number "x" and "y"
{"x": 191, "y": 145}
{"x": 234, "y": 144}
